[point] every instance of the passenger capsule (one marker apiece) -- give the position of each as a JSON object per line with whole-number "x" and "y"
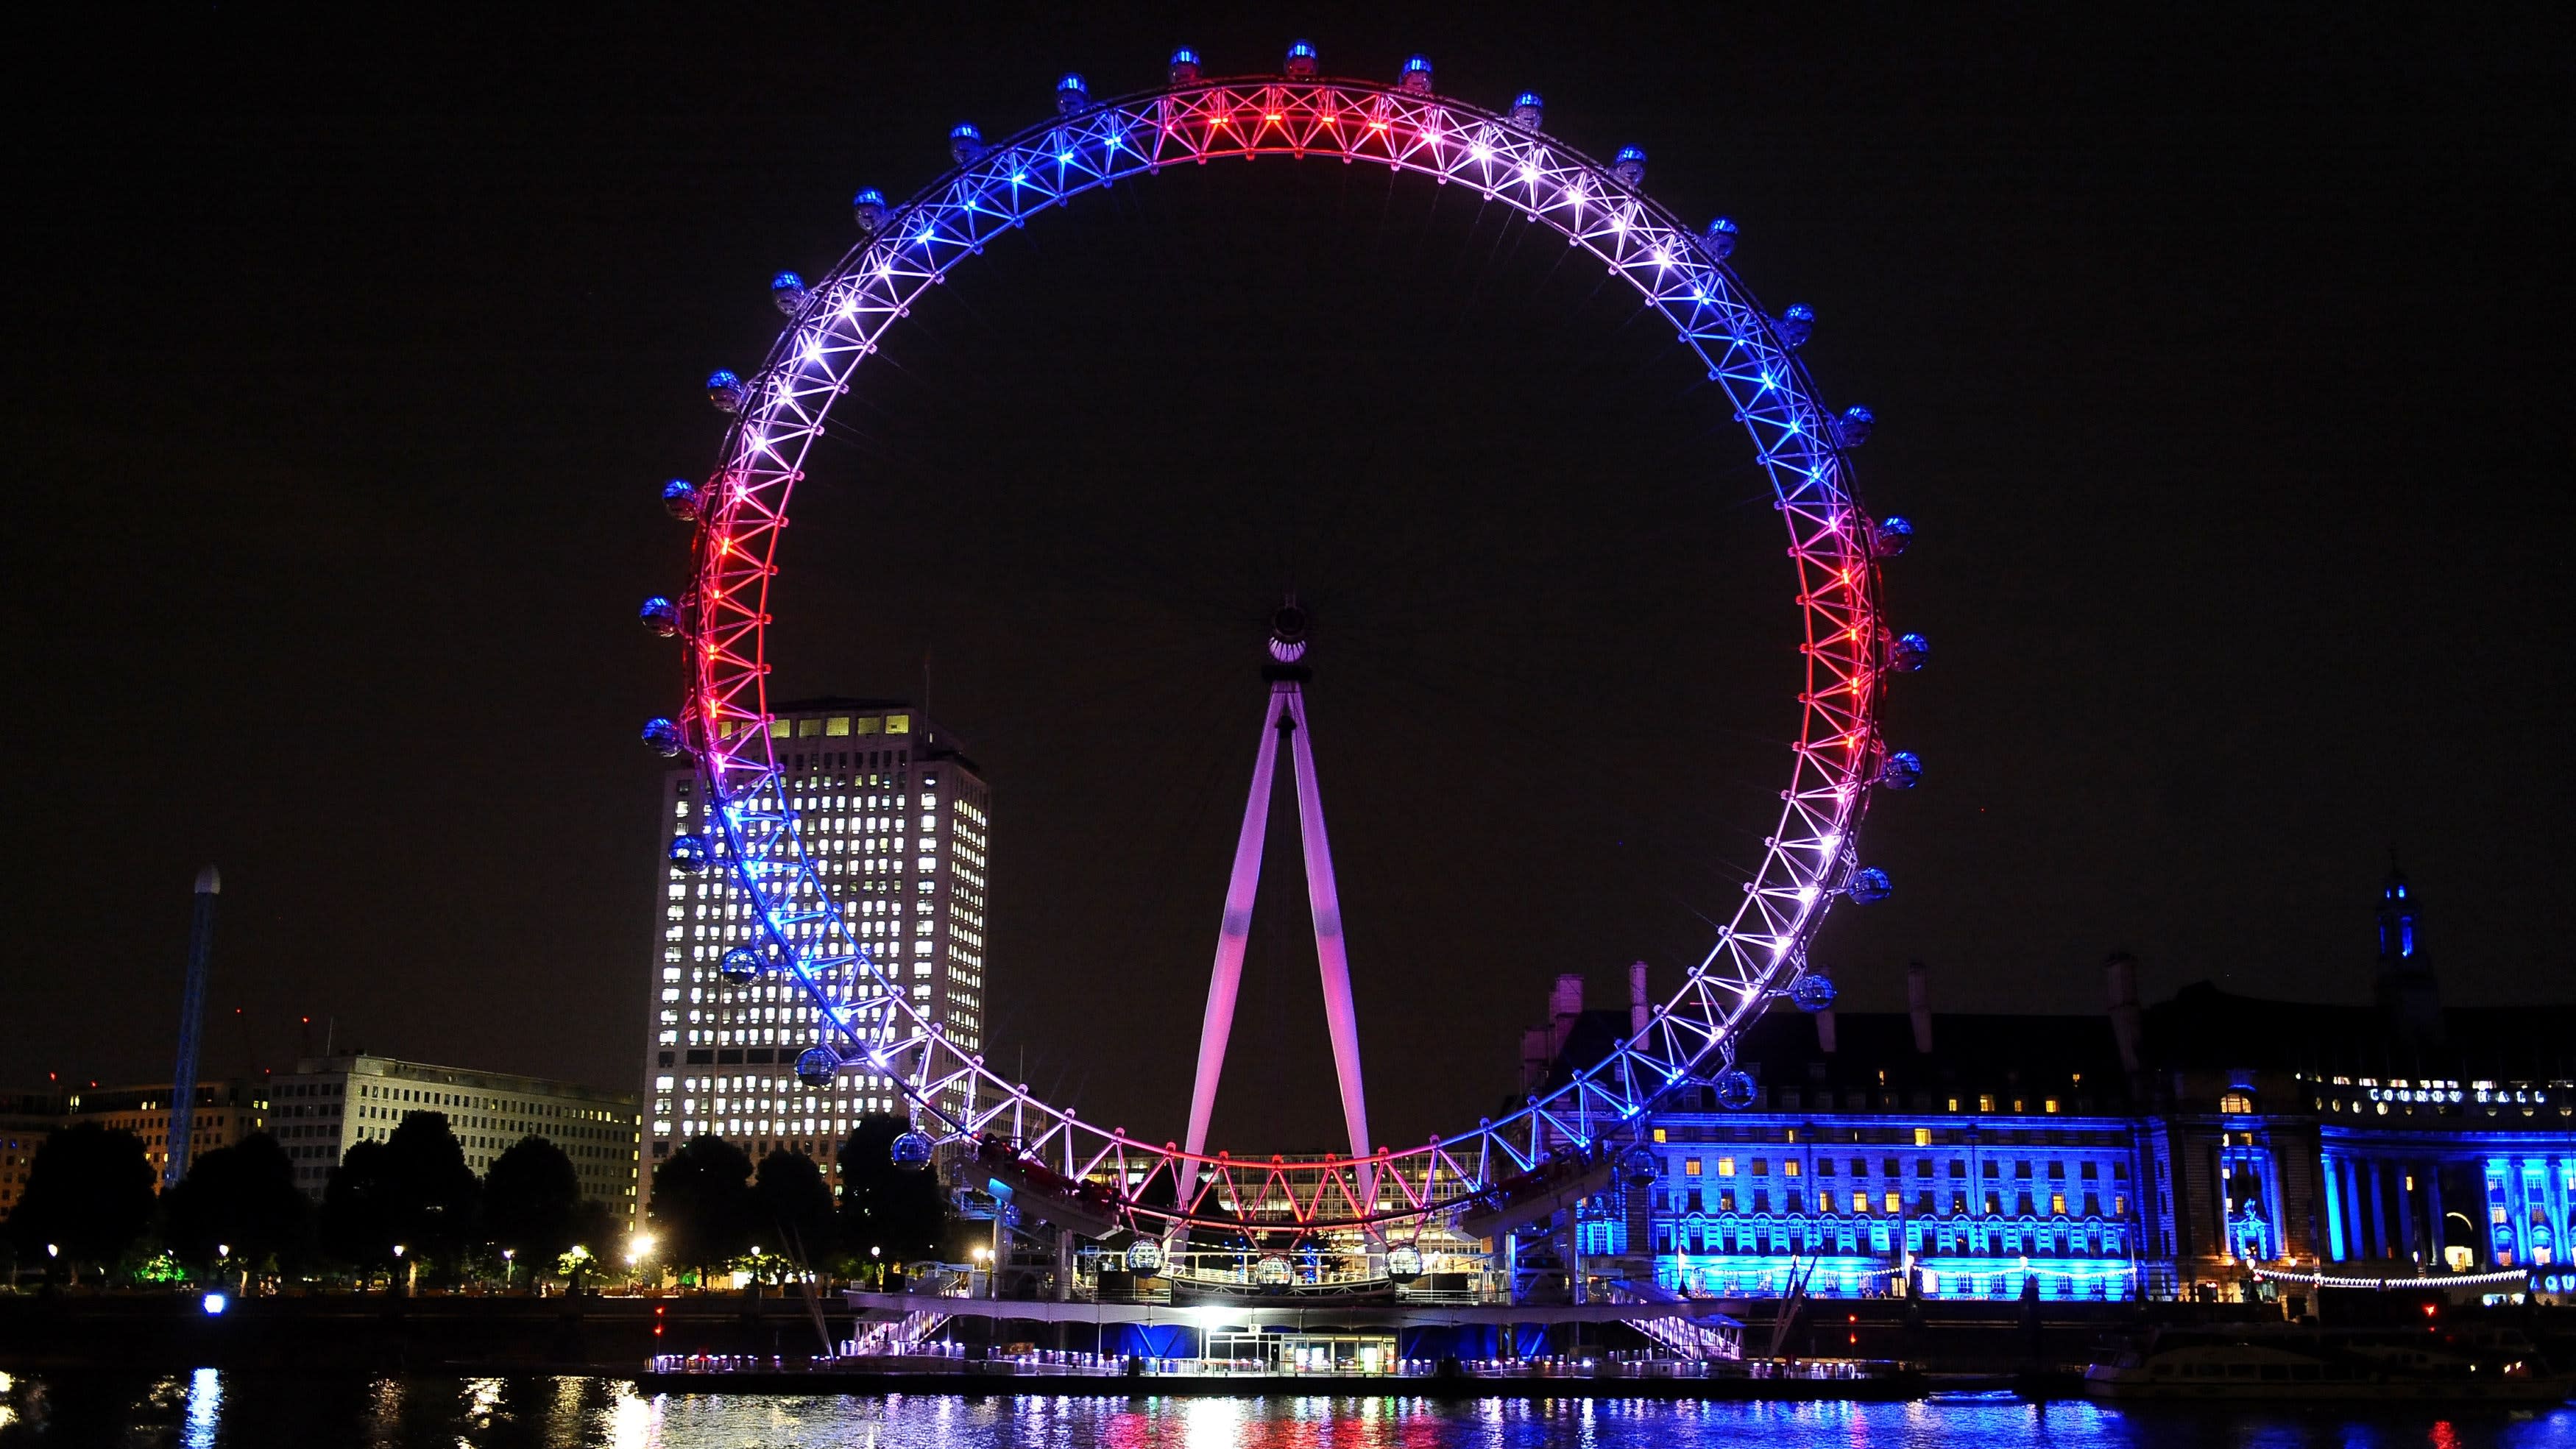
{"x": 660, "y": 616}
{"x": 1403, "y": 1262}
{"x": 1736, "y": 1089}
{"x": 912, "y": 1150}
{"x": 680, "y": 499}
{"x": 1185, "y": 66}
{"x": 1637, "y": 1167}
{"x": 1852, "y": 428}
{"x": 1301, "y": 60}
{"x": 1795, "y": 325}
{"x": 1628, "y": 168}
{"x": 1719, "y": 239}
{"x": 1071, "y": 95}
{"x": 787, "y": 292}
{"x": 690, "y": 853}
{"x": 1907, "y": 653}
{"x": 1274, "y": 1272}
{"x": 726, "y": 391}
{"x": 965, "y": 143}
{"x": 1813, "y": 992}
{"x": 869, "y": 207}
{"x": 1528, "y": 110}
{"x": 1903, "y": 771}
{"x": 815, "y": 1066}
{"x": 663, "y": 736}
{"x": 739, "y": 966}
{"x": 1415, "y": 78}
{"x": 1869, "y": 885}
{"x": 1893, "y": 536}
{"x": 1145, "y": 1258}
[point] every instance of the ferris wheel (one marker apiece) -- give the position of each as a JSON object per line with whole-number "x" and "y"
{"x": 1091, "y": 1179}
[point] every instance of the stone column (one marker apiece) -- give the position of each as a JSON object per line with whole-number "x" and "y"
{"x": 2379, "y": 1213}
{"x": 2433, "y": 1215}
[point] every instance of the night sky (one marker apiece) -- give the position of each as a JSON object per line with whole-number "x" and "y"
{"x": 2220, "y": 360}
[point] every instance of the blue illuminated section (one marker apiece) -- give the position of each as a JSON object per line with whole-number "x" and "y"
{"x": 1739, "y": 1275}
{"x": 2252, "y": 1191}
{"x": 1947, "y": 1207}
{"x": 2334, "y": 1211}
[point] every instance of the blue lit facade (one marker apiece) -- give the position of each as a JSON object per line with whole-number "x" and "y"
{"x": 1896, "y": 1154}
{"x": 2446, "y": 1173}
{"x": 1879, "y": 1202}
{"x": 2158, "y": 1152}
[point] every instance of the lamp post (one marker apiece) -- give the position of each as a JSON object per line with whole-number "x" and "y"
{"x": 638, "y": 1248}
{"x": 410, "y": 1271}
{"x": 509, "y": 1259}
{"x": 876, "y": 1261}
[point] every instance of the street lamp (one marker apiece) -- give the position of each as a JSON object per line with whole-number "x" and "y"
{"x": 411, "y": 1272}
{"x": 508, "y": 1257}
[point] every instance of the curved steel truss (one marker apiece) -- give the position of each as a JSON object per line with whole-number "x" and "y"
{"x": 1807, "y": 861}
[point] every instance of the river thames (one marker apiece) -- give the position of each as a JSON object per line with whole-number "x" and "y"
{"x": 215, "y": 1410}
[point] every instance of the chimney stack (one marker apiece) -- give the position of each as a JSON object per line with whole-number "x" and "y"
{"x": 1639, "y": 1012}
{"x": 2120, "y": 975}
{"x": 1918, "y": 1005}
{"x": 1534, "y": 1059}
{"x": 1565, "y": 1003}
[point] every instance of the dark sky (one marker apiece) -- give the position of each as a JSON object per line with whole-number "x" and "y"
{"x": 2220, "y": 359}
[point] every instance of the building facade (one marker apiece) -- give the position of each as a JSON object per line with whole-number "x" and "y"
{"x": 898, "y": 820}
{"x": 1951, "y": 1156}
{"x": 26, "y": 1120}
{"x": 328, "y": 1105}
{"x": 2159, "y": 1152}
{"x": 225, "y": 1112}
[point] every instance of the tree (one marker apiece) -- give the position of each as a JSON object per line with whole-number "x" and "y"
{"x": 528, "y": 1201}
{"x": 440, "y": 1195}
{"x": 702, "y": 1203}
{"x": 896, "y": 1210}
{"x": 795, "y": 1204}
{"x": 89, "y": 1194}
{"x": 242, "y": 1197}
{"x": 595, "y": 1230}
{"x": 358, "y": 1209}
{"x": 412, "y": 1189}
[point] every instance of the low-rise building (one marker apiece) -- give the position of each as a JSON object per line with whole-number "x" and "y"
{"x": 2172, "y": 1150}
{"x": 225, "y": 1113}
{"x": 26, "y": 1120}
{"x": 329, "y": 1104}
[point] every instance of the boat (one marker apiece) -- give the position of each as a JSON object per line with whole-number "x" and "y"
{"x": 2439, "y": 1361}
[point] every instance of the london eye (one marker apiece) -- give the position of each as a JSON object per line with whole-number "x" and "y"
{"x": 1093, "y": 1180}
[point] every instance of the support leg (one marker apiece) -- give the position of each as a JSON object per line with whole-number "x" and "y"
{"x": 1232, "y": 934}
{"x": 1339, "y": 1016}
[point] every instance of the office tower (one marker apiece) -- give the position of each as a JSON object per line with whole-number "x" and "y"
{"x": 895, "y": 817}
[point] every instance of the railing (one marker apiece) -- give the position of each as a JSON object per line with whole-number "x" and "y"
{"x": 938, "y": 1358}
{"x": 1690, "y": 1339}
{"x": 895, "y": 1335}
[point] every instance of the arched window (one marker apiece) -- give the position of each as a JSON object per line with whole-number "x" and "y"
{"x": 2238, "y": 1102}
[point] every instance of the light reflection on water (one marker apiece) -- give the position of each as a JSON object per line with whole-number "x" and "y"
{"x": 211, "y": 1410}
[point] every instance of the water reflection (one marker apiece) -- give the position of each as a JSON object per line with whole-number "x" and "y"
{"x": 211, "y": 1410}
{"x": 205, "y": 1409}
